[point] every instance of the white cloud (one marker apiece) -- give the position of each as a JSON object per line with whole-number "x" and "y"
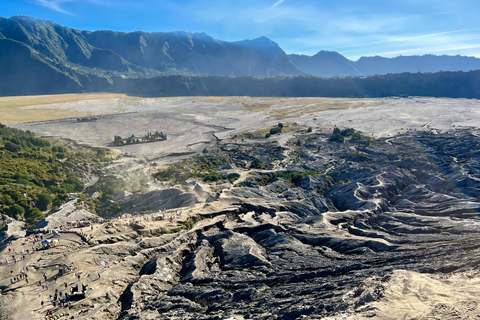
{"x": 54, "y": 5}
{"x": 279, "y": 2}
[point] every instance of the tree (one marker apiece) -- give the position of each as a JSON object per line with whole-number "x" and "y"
{"x": 16, "y": 211}
{"x": 33, "y": 215}
{"x": 12, "y": 147}
{"x": 77, "y": 184}
{"x": 44, "y": 200}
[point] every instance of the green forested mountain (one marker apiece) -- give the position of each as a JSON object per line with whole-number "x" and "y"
{"x": 145, "y": 52}
{"x": 441, "y": 84}
{"x": 43, "y": 57}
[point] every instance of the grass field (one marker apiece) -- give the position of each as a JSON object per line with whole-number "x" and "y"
{"x": 16, "y": 109}
{"x": 11, "y": 108}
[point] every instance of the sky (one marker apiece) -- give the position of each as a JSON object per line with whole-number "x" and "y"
{"x": 353, "y": 28}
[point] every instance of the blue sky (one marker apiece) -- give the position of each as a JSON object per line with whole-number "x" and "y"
{"x": 354, "y": 28}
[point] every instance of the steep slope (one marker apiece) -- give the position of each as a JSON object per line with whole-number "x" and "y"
{"x": 325, "y": 64}
{"x": 196, "y": 53}
{"x": 24, "y": 71}
{"x": 264, "y": 57}
{"x": 144, "y": 52}
{"x": 61, "y": 43}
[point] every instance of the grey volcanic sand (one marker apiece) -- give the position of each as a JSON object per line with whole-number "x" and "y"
{"x": 286, "y": 252}
{"x": 190, "y": 123}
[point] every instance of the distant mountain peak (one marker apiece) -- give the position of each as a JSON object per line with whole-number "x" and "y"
{"x": 260, "y": 41}
{"x": 81, "y": 53}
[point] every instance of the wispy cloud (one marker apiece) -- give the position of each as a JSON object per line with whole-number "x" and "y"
{"x": 57, "y": 5}
{"x": 54, "y": 5}
{"x": 279, "y": 2}
{"x": 405, "y": 39}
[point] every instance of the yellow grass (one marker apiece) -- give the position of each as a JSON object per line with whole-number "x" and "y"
{"x": 11, "y": 107}
{"x": 311, "y": 109}
{"x": 18, "y": 115}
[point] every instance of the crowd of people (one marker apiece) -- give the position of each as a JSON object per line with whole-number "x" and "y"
{"x": 55, "y": 296}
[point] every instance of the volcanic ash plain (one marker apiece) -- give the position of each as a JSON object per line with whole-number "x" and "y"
{"x": 254, "y": 209}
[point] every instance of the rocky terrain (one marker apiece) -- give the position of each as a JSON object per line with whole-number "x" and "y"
{"x": 375, "y": 219}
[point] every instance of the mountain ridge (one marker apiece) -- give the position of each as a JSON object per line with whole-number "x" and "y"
{"x": 56, "y": 59}
{"x": 338, "y": 65}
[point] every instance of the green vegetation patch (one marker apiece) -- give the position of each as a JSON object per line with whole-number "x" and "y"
{"x": 295, "y": 178}
{"x": 340, "y": 136}
{"x": 37, "y": 174}
{"x": 205, "y": 167}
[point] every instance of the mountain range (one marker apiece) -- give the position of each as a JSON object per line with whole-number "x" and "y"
{"x": 331, "y": 64}
{"x": 40, "y": 56}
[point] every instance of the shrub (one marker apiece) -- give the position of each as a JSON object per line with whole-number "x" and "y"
{"x": 309, "y": 129}
{"x": 233, "y": 176}
{"x": 336, "y": 138}
{"x": 256, "y": 164}
{"x": 347, "y": 132}
{"x": 275, "y": 130}
{"x": 211, "y": 177}
{"x": 117, "y": 140}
